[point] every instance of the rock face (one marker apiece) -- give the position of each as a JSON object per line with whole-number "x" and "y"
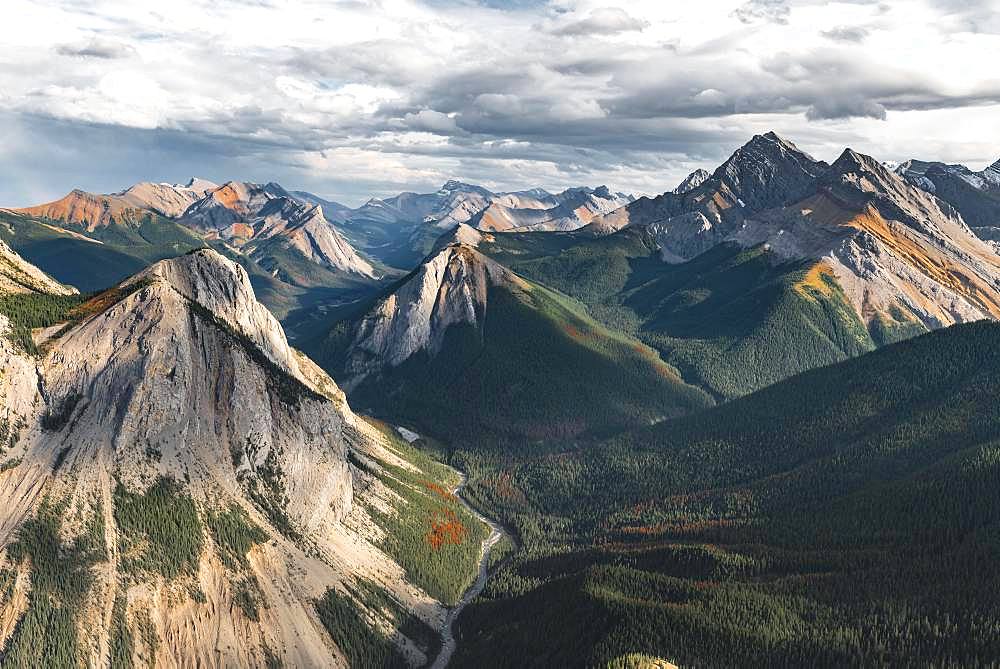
{"x": 179, "y": 381}
{"x": 306, "y": 229}
{"x": 188, "y": 364}
{"x": 900, "y": 254}
{"x": 231, "y": 204}
{"x": 20, "y": 276}
{"x": 449, "y": 288}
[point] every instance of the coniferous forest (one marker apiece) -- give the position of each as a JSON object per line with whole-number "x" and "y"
{"x": 846, "y": 516}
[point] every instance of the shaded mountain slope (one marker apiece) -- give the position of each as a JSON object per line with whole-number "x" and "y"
{"x": 87, "y": 262}
{"x": 19, "y": 276}
{"x": 732, "y": 320}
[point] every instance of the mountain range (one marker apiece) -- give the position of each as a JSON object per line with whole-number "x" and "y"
{"x": 747, "y": 420}
{"x": 773, "y": 264}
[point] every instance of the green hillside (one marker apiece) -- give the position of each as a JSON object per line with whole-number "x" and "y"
{"x": 731, "y": 320}
{"x": 536, "y": 369}
{"x": 70, "y": 259}
{"x": 846, "y": 516}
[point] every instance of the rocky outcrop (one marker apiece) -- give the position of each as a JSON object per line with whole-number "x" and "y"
{"x": 451, "y": 287}
{"x": 692, "y": 181}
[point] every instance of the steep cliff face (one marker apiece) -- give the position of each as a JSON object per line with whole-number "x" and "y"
{"x": 190, "y": 471}
{"x": 305, "y": 228}
{"x": 450, "y": 288}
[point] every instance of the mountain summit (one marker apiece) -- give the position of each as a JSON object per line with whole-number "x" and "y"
{"x": 175, "y": 486}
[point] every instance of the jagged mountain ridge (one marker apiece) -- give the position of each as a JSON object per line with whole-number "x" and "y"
{"x": 87, "y": 211}
{"x": 257, "y": 216}
{"x": 92, "y": 211}
{"x": 900, "y": 254}
{"x": 457, "y": 202}
{"x": 768, "y": 171}
{"x": 179, "y": 388}
{"x": 569, "y": 210}
{"x": 234, "y": 212}
{"x": 976, "y": 195}
{"x": 170, "y": 200}
{"x": 401, "y": 230}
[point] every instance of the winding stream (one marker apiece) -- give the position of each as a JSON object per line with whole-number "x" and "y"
{"x": 448, "y": 642}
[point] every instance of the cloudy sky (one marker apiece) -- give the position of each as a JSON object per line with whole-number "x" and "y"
{"x": 357, "y": 98}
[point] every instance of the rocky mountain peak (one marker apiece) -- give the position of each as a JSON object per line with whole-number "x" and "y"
{"x": 768, "y": 171}
{"x": 451, "y": 287}
{"x": 275, "y": 189}
{"x": 992, "y": 174}
{"x": 692, "y": 181}
{"x": 200, "y": 185}
{"x": 851, "y": 160}
{"x": 454, "y": 185}
{"x": 857, "y": 181}
{"x": 222, "y": 287}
